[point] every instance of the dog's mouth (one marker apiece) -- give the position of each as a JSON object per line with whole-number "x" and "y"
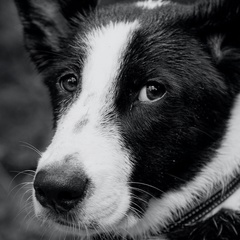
{"x": 73, "y": 225}
{"x": 69, "y": 224}
{"x": 83, "y": 229}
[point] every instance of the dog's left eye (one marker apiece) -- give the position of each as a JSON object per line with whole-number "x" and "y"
{"x": 152, "y": 92}
{"x": 69, "y": 83}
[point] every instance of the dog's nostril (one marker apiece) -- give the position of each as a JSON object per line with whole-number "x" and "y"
{"x": 60, "y": 191}
{"x": 68, "y": 195}
{"x": 40, "y": 195}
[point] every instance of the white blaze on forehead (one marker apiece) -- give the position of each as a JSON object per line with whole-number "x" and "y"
{"x": 151, "y": 4}
{"x": 105, "y": 51}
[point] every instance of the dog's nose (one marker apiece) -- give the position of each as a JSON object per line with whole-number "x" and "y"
{"x": 60, "y": 190}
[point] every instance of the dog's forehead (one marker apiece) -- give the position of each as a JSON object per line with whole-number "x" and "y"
{"x": 105, "y": 47}
{"x": 110, "y": 40}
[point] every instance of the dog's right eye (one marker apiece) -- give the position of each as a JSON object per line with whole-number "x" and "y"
{"x": 69, "y": 83}
{"x": 152, "y": 92}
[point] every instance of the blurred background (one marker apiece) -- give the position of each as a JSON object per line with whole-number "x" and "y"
{"x": 25, "y": 117}
{"x": 25, "y": 121}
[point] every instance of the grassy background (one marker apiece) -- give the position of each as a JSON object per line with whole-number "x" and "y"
{"x": 25, "y": 116}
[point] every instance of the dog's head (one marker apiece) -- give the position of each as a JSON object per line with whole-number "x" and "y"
{"x": 143, "y": 97}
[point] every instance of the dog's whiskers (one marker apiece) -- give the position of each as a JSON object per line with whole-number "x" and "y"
{"x": 22, "y": 210}
{"x": 30, "y": 146}
{"x": 142, "y": 191}
{"x": 25, "y": 172}
{"x": 142, "y": 210}
{"x": 136, "y": 211}
{"x": 181, "y": 179}
{"x": 138, "y": 198}
{"x": 23, "y": 185}
{"x": 147, "y": 185}
{"x": 25, "y": 193}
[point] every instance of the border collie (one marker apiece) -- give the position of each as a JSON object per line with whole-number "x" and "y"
{"x": 146, "y": 109}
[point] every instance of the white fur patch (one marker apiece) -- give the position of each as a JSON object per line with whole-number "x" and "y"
{"x": 232, "y": 203}
{"x": 151, "y": 4}
{"x": 224, "y": 166}
{"x": 97, "y": 149}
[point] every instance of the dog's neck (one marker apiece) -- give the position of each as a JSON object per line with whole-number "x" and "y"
{"x": 227, "y": 198}
{"x": 231, "y": 203}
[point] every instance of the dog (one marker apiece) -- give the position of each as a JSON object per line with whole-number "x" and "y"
{"x": 146, "y": 108}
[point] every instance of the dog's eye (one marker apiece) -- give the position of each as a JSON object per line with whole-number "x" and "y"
{"x": 69, "y": 83}
{"x": 152, "y": 92}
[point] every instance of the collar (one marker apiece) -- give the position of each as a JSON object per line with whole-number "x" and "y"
{"x": 194, "y": 216}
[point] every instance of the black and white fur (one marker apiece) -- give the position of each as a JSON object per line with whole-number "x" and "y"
{"x": 119, "y": 163}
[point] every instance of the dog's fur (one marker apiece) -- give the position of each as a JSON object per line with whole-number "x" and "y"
{"x": 133, "y": 164}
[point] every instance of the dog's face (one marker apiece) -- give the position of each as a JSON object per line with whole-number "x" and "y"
{"x": 141, "y": 109}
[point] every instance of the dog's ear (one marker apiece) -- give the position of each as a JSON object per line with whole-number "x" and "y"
{"x": 49, "y": 23}
{"x": 217, "y": 23}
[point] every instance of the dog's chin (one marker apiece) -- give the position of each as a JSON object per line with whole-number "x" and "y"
{"x": 71, "y": 223}
{"x": 86, "y": 230}
{"x": 75, "y": 228}
{"x": 91, "y": 229}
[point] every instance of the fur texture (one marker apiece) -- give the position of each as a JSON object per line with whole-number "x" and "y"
{"x": 146, "y": 110}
